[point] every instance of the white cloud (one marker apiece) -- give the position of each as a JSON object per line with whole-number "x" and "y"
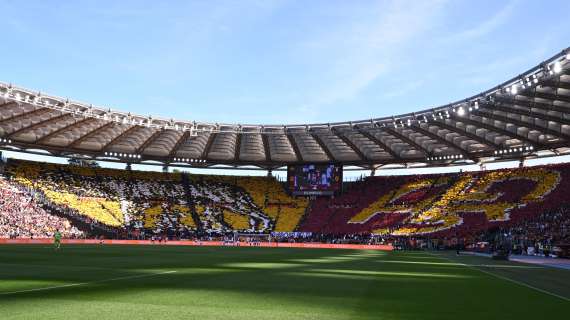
{"x": 354, "y": 55}
{"x": 486, "y": 27}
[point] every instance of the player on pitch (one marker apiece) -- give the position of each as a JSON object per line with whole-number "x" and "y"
{"x": 57, "y": 240}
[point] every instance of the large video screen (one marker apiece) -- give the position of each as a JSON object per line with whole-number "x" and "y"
{"x": 314, "y": 179}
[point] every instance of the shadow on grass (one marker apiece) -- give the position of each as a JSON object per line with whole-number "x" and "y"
{"x": 348, "y": 280}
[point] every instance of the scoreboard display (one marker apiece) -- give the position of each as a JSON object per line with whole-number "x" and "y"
{"x": 314, "y": 179}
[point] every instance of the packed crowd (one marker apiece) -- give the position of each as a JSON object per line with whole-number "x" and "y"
{"x": 141, "y": 205}
{"x": 441, "y": 206}
{"x": 534, "y": 236}
{"x": 144, "y": 205}
{"x": 22, "y": 216}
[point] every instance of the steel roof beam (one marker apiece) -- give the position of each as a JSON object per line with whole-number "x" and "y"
{"x": 501, "y": 131}
{"x": 544, "y": 95}
{"x": 109, "y": 144}
{"x": 323, "y": 146}
{"x": 94, "y": 132}
{"x": 208, "y": 145}
{"x": 379, "y": 143}
{"x": 529, "y": 113}
{"x": 407, "y": 140}
{"x": 39, "y": 124}
{"x": 350, "y": 144}
{"x": 521, "y": 123}
{"x": 532, "y": 104}
{"x": 32, "y": 113}
{"x": 442, "y": 140}
{"x": 293, "y": 143}
{"x": 149, "y": 141}
{"x": 48, "y": 136}
{"x": 467, "y": 134}
{"x": 555, "y": 84}
{"x": 237, "y": 147}
{"x": 266, "y": 148}
{"x": 179, "y": 143}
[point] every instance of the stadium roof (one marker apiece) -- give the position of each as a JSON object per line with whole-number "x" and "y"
{"x": 524, "y": 117}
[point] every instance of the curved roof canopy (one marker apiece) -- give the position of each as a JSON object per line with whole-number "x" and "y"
{"x": 516, "y": 119}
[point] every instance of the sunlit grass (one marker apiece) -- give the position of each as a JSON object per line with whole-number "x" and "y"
{"x": 256, "y": 283}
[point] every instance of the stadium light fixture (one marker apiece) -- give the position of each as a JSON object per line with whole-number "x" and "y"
{"x": 557, "y": 68}
{"x": 461, "y": 111}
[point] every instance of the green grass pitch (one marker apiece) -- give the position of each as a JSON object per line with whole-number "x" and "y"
{"x": 164, "y": 282}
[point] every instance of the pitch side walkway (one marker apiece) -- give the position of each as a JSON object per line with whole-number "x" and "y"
{"x": 543, "y": 261}
{"x": 541, "y": 277}
{"x": 550, "y": 262}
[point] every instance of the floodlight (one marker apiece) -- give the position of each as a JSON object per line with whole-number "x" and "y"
{"x": 557, "y": 67}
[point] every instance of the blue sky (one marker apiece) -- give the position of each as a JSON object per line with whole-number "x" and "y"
{"x": 274, "y": 61}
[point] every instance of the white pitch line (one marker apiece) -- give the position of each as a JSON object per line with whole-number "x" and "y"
{"x": 520, "y": 283}
{"x": 88, "y": 283}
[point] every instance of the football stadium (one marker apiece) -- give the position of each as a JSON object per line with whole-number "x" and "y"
{"x": 459, "y": 210}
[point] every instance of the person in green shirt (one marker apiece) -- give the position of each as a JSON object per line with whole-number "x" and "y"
{"x": 57, "y": 240}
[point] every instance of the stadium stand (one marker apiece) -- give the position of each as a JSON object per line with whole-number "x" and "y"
{"x": 442, "y": 206}
{"x": 21, "y": 216}
{"x": 168, "y": 204}
{"x": 529, "y": 203}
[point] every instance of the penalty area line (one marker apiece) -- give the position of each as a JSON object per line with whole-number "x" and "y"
{"x": 87, "y": 283}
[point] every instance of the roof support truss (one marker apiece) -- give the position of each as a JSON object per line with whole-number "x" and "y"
{"x": 293, "y": 143}
{"x": 379, "y": 143}
{"x": 266, "y": 148}
{"x": 504, "y": 132}
{"x": 467, "y": 134}
{"x": 208, "y": 145}
{"x": 350, "y": 144}
{"x": 520, "y": 123}
{"x": 237, "y": 147}
{"x": 92, "y": 133}
{"x": 323, "y": 146}
{"x": 63, "y": 129}
{"x": 442, "y": 140}
{"x": 148, "y": 141}
{"x": 544, "y": 95}
{"x": 530, "y": 113}
{"x": 27, "y": 114}
{"x": 407, "y": 140}
{"x": 109, "y": 144}
{"x": 532, "y": 104}
{"x": 39, "y": 124}
{"x": 180, "y": 141}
